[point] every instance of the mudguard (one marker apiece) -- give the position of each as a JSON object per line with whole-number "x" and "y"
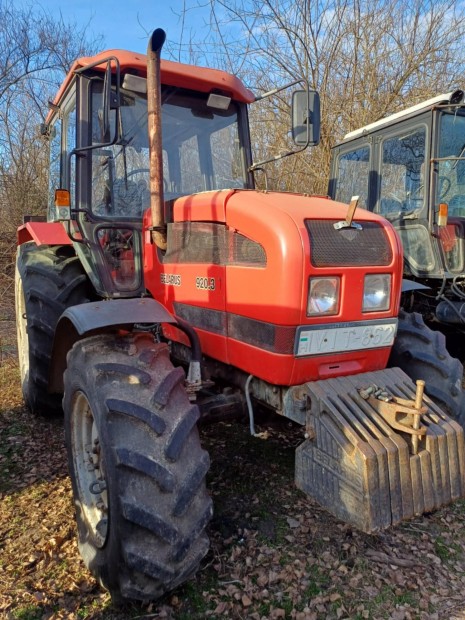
{"x": 83, "y": 320}
{"x": 411, "y": 285}
{"x": 43, "y": 233}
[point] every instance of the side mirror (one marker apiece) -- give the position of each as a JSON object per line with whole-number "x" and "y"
{"x": 305, "y": 118}
{"x": 47, "y": 132}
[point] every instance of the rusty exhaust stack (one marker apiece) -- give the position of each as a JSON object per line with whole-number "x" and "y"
{"x": 155, "y": 143}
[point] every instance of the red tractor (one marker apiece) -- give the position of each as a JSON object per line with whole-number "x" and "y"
{"x": 162, "y": 288}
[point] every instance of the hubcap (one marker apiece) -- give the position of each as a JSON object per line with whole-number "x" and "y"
{"x": 89, "y": 469}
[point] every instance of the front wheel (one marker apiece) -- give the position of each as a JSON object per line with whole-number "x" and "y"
{"x": 136, "y": 465}
{"x": 421, "y": 353}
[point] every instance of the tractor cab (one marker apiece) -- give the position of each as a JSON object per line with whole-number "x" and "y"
{"x": 100, "y": 154}
{"x": 98, "y": 124}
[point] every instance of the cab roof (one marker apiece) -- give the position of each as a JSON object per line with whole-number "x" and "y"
{"x": 428, "y": 103}
{"x": 172, "y": 74}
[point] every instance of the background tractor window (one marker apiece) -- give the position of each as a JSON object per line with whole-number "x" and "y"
{"x": 353, "y": 174}
{"x": 450, "y": 186}
{"x": 402, "y": 172}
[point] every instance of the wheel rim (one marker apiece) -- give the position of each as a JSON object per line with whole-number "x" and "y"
{"x": 21, "y": 330}
{"x": 89, "y": 469}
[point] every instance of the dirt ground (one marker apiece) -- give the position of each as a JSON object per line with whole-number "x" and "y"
{"x": 274, "y": 552}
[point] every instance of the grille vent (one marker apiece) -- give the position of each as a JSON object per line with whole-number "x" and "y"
{"x": 347, "y": 247}
{"x": 206, "y": 242}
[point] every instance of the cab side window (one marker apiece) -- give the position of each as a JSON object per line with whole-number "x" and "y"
{"x": 62, "y": 142}
{"x": 70, "y": 144}
{"x": 54, "y": 179}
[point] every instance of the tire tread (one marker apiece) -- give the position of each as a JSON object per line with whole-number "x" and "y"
{"x": 422, "y": 354}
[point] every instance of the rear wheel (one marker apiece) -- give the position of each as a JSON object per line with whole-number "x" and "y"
{"x": 48, "y": 280}
{"x": 136, "y": 465}
{"x": 421, "y": 353}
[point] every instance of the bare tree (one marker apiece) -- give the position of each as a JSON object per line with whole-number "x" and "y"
{"x": 33, "y": 43}
{"x": 366, "y": 58}
{"x": 36, "y": 51}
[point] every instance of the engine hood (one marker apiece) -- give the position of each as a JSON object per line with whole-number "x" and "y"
{"x": 221, "y": 205}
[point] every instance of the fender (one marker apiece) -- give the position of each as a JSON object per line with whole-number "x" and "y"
{"x": 43, "y": 233}
{"x": 88, "y": 319}
{"x": 411, "y": 285}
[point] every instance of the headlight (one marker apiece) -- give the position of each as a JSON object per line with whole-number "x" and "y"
{"x": 376, "y": 292}
{"x": 323, "y": 296}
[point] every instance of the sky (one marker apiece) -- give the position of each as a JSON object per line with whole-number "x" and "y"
{"x": 127, "y": 24}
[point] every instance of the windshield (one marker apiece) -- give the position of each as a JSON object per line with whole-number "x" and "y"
{"x": 451, "y": 172}
{"x": 201, "y": 151}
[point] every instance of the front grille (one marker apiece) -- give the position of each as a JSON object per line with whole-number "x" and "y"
{"x": 348, "y": 247}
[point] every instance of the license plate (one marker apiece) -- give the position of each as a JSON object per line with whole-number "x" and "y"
{"x": 317, "y": 340}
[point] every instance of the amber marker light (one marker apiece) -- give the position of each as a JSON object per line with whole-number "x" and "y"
{"x": 62, "y": 198}
{"x": 443, "y": 212}
{"x": 62, "y": 205}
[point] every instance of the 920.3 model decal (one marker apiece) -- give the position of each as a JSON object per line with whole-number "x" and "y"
{"x": 205, "y": 284}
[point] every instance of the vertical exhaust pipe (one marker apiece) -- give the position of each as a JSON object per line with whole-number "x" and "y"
{"x": 155, "y": 142}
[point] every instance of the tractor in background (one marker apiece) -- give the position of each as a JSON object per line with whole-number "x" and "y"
{"x": 409, "y": 167}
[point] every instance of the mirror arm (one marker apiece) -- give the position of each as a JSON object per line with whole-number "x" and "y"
{"x": 277, "y": 157}
{"x": 305, "y": 83}
{"x": 278, "y": 90}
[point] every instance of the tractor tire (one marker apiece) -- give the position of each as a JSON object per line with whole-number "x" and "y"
{"x": 48, "y": 280}
{"x": 136, "y": 465}
{"x": 421, "y": 353}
